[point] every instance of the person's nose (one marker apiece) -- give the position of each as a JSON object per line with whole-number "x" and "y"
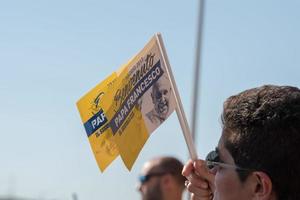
{"x": 139, "y": 187}
{"x": 163, "y": 98}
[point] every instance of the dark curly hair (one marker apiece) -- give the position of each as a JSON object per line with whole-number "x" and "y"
{"x": 262, "y": 132}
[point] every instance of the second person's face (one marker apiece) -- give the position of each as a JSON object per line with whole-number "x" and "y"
{"x": 151, "y": 189}
{"x": 228, "y": 185}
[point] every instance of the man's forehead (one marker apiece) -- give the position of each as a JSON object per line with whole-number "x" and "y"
{"x": 221, "y": 142}
{"x": 150, "y": 166}
{"x": 223, "y": 151}
{"x": 161, "y": 84}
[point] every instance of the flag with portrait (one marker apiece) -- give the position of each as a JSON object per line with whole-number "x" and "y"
{"x": 138, "y": 99}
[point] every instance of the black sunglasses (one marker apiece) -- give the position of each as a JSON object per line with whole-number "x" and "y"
{"x": 213, "y": 162}
{"x": 144, "y": 178}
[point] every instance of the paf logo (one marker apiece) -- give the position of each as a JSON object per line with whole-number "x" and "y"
{"x": 95, "y": 104}
{"x": 98, "y": 120}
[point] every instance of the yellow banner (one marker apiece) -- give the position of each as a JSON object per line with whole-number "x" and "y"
{"x": 141, "y": 98}
{"x": 121, "y": 112}
{"x": 96, "y": 124}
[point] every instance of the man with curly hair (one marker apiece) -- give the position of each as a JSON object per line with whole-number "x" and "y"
{"x": 257, "y": 156}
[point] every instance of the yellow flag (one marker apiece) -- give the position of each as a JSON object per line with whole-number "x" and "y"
{"x": 140, "y": 99}
{"x": 122, "y": 111}
{"x": 100, "y": 136}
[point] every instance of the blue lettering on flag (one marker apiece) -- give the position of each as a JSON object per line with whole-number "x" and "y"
{"x": 138, "y": 91}
{"x": 95, "y": 122}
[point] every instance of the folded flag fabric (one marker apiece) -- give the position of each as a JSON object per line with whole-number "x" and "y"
{"x": 100, "y": 136}
{"x": 131, "y": 104}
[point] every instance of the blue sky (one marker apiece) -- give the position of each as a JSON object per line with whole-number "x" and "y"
{"x": 53, "y": 52}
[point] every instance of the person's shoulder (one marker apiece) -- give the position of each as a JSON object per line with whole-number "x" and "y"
{"x": 151, "y": 121}
{"x": 152, "y": 117}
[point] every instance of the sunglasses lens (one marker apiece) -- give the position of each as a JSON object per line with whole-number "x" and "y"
{"x": 143, "y": 179}
{"x": 212, "y": 156}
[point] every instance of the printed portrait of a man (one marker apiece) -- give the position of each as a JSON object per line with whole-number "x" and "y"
{"x": 161, "y": 95}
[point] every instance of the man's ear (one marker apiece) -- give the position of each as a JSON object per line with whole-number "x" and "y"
{"x": 263, "y": 186}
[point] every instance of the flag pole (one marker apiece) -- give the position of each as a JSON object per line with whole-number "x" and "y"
{"x": 179, "y": 108}
{"x": 197, "y": 68}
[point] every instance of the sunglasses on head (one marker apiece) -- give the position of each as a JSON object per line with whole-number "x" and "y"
{"x": 145, "y": 178}
{"x": 213, "y": 161}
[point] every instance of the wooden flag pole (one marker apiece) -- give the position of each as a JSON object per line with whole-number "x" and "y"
{"x": 179, "y": 108}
